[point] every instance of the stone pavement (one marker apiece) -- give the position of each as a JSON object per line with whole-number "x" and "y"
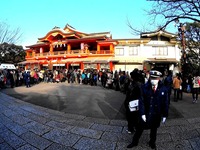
{"x": 24, "y": 126}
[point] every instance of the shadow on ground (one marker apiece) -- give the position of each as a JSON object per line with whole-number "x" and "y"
{"x": 82, "y": 100}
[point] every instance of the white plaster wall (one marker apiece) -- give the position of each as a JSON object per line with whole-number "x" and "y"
{"x": 147, "y": 52}
{"x": 127, "y": 67}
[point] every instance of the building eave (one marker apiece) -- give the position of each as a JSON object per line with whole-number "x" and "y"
{"x": 158, "y": 32}
{"x": 38, "y": 45}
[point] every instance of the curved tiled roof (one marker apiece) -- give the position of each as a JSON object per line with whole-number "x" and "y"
{"x": 69, "y": 30}
{"x": 158, "y": 32}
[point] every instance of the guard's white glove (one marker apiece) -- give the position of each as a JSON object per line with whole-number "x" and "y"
{"x": 163, "y": 119}
{"x": 144, "y": 118}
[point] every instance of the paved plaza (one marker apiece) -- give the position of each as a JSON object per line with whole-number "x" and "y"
{"x": 67, "y": 116}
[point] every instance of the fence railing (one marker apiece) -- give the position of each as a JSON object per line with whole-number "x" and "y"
{"x": 72, "y": 52}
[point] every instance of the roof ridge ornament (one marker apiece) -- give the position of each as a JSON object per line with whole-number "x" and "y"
{"x": 56, "y": 27}
{"x": 67, "y": 25}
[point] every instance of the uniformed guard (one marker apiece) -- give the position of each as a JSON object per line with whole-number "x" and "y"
{"x": 153, "y": 108}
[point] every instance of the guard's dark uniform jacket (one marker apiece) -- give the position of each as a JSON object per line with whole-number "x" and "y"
{"x": 153, "y": 105}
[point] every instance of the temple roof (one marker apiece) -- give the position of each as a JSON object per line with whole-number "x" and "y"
{"x": 157, "y": 32}
{"x": 70, "y": 31}
{"x": 38, "y": 44}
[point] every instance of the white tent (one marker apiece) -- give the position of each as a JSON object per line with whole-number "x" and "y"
{"x": 7, "y": 66}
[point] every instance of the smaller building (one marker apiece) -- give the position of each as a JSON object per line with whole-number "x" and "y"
{"x": 153, "y": 50}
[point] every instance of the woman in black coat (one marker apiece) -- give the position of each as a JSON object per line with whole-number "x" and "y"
{"x": 133, "y": 93}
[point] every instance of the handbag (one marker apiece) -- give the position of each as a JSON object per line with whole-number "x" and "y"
{"x": 134, "y": 105}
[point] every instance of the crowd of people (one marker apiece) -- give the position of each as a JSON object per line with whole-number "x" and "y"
{"x": 147, "y": 93}
{"x": 118, "y": 80}
{"x": 20, "y": 77}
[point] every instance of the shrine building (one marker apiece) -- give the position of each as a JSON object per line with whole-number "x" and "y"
{"x": 71, "y": 49}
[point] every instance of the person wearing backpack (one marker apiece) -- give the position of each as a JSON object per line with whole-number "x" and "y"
{"x": 195, "y": 88}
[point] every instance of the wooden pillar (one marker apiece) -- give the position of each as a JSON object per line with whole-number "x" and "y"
{"x": 111, "y": 48}
{"x": 81, "y": 66}
{"x": 66, "y": 66}
{"x": 51, "y": 49}
{"x": 50, "y": 65}
{"x": 111, "y": 65}
{"x": 98, "y": 66}
{"x": 98, "y": 48}
{"x": 68, "y": 48}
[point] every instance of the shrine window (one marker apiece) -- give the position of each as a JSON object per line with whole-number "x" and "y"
{"x": 160, "y": 51}
{"x": 133, "y": 50}
{"x": 119, "y": 51}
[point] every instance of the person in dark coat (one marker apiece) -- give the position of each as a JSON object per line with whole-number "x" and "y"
{"x": 153, "y": 108}
{"x": 168, "y": 81}
{"x": 133, "y": 93}
{"x": 11, "y": 78}
{"x": 27, "y": 78}
{"x": 116, "y": 81}
{"x": 104, "y": 78}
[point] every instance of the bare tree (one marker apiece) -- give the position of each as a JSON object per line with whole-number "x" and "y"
{"x": 164, "y": 12}
{"x": 9, "y": 52}
{"x": 172, "y": 10}
{"x": 9, "y": 35}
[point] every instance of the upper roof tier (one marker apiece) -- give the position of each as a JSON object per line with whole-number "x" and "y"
{"x": 72, "y": 33}
{"x": 158, "y": 32}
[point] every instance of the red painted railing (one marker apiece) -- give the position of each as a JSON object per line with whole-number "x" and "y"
{"x": 72, "y": 52}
